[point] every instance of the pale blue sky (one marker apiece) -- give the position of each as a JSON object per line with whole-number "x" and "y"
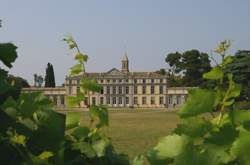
{"x": 104, "y": 29}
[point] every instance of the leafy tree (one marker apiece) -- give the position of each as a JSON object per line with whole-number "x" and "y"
{"x": 17, "y": 84}
{"x": 49, "y": 76}
{"x": 240, "y": 68}
{"x": 162, "y": 71}
{"x": 192, "y": 64}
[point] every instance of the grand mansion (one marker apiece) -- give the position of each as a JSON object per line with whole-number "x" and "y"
{"x": 121, "y": 88}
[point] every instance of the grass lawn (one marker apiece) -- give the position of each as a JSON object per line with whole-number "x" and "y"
{"x": 134, "y": 133}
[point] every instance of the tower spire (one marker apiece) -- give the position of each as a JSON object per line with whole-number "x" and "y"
{"x": 125, "y": 63}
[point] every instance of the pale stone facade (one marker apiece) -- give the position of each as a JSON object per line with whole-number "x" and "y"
{"x": 57, "y": 95}
{"x": 121, "y": 88}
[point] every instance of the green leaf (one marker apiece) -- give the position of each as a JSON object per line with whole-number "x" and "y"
{"x": 241, "y": 147}
{"x": 100, "y": 147}
{"x": 70, "y": 41}
{"x": 50, "y": 135}
{"x": 72, "y": 120}
{"x": 234, "y": 89}
{"x": 80, "y": 132}
{"x": 227, "y": 60}
{"x": 8, "y": 53}
{"x": 75, "y": 70}
{"x": 73, "y": 101}
{"x": 101, "y": 113}
{"x": 81, "y": 58}
{"x": 45, "y": 155}
{"x": 18, "y": 139}
{"x": 215, "y": 74}
{"x": 84, "y": 148}
{"x": 138, "y": 160}
{"x": 240, "y": 117}
{"x": 217, "y": 136}
{"x": 90, "y": 85}
{"x": 199, "y": 101}
{"x": 195, "y": 127}
{"x": 167, "y": 148}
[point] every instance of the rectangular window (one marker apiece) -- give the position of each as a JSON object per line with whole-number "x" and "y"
{"x": 93, "y": 100}
{"x": 108, "y": 81}
{"x": 135, "y": 90}
{"x": 101, "y": 100}
{"x": 161, "y": 80}
{"x": 114, "y": 100}
{"x": 78, "y": 89}
{"x": 135, "y": 100}
{"x": 70, "y": 82}
{"x": 120, "y": 100}
{"x": 127, "y": 100}
{"x": 126, "y": 80}
{"x": 114, "y": 80}
{"x": 62, "y": 100}
{"x": 127, "y": 90}
{"x": 108, "y": 90}
{"x": 178, "y": 100}
{"x": 152, "y": 80}
{"x": 108, "y": 100}
{"x": 161, "y": 89}
{"x": 114, "y": 90}
{"x": 135, "y": 81}
{"x": 143, "y": 81}
{"x": 120, "y": 90}
{"x": 101, "y": 81}
{"x": 143, "y": 89}
{"x": 152, "y": 89}
{"x": 102, "y": 91}
{"x": 86, "y": 101}
{"x": 70, "y": 90}
{"x": 152, "y": 100}
{"x": 161, "y": 100}
{"x": 170, "y": 100}
{"x": 144, "y": 101}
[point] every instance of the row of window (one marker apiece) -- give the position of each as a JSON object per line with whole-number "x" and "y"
{"x": 121, "y": 80}
{"x": 119, "y": 90}
{"x": 114, "y": 100}
{"x": 126, "y": 80}
{"x": 177, "y": 99}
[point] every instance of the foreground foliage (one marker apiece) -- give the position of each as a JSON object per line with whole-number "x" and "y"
{"x": 32, "y": 133}
{"x": 221, "y": 138}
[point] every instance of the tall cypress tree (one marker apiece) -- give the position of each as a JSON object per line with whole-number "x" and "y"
{"x": 50, "y": 77}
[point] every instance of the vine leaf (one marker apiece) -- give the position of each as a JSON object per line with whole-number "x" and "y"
{"x": 90, "y": 85}
{"x": 195, "y": 127}
{"x": 168, "y": 148}
{"x": 100, "y": 147}
{"x": 76, "y": 69}
{"x": 241, "y": 148}
{"x": 84, "y": 148}
{"x": 101, "y": 113}
{"x": 215, "y": 74}
{"x": 80, "y": 132}
{"x": 72, "y": 120}
{"x": 81, "y": 58}
{"x": 199, "y": 101}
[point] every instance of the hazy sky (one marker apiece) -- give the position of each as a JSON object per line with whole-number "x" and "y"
{"x": 105, "y": 29}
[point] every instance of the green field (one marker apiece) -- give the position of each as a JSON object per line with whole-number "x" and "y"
{"x": 136, "y": 132}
